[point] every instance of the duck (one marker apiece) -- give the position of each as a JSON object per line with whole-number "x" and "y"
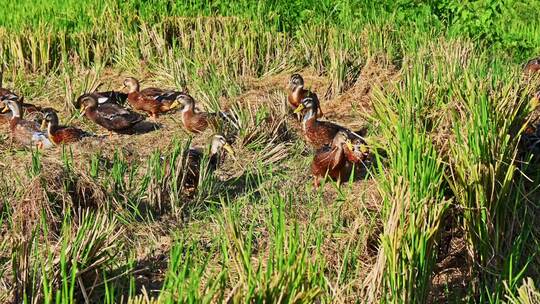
{"x": 336, "y": 160}
{"x": 153, "y": 101}
{"x": 25, "y": 132}
{"x": 532, "y": 66}
{"x": 104, "y": 97}
{"x": 110, "y": 116}
{"x": 195, "y": 156}
{"x": 31, "y": 112}
{"x": 195, "y": 121}
{"x": 317, "y": 133}
{"x": 61, "y": 134}
{"x": 297, "y": 93}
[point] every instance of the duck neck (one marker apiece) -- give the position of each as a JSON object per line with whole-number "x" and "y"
{"x": 188, "y": 109}
{"x": 134, "y": 88}
{"x": 51, "y": 127}
{"x": 310, "y": 116}
{"x": 296, "y": 91}
{"x": 15, "y": 108}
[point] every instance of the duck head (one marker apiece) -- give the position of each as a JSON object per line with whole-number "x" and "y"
{"x": 310, "y": 104}
{"x": 131, "y": 84}
{"x": 296, "y": 81}
{"x": 50, "y": 119}
{"x": 13, "y": 105}
{"x": 186, "y": 101}
{"x": 88, "y": 102}
{"x": 218, "y": 143}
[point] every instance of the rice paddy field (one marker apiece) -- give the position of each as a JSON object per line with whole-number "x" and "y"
{"x": 446, "y": 209}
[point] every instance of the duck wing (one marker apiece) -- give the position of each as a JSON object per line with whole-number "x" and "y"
{"x": 104, "y": 97}
{"x": 117, "y": 116}
{"x": 28, "y": 133}
{"x": 160, "y": 94}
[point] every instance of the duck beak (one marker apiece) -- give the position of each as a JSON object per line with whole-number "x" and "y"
{"x": 349, "y": 145}
{"x": 175, "y": 104}
{"x": 299, "y": 109}
{"x": 229, "y": 149}
{"x": 5, "y": 109}
{"x": 83, "y": 110}
{"x": 364, "y": 149}
{"x": 43, "y": 124}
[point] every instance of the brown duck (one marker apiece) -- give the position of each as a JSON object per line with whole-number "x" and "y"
{"x": 61, "y": 134}
{"x": 195, "y": 121}
{"x": 297, "y": 93}
{"x": 336, "y": 160}
{"x": 25, "y": 132}
{"x": 194, "y": 157}
{"x": 317, "y": 133}
{"x": 110, "y": 116}
{"x": 153, "y": 101}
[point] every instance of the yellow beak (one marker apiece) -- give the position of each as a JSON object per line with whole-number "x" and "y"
{"x": 299, "y": 109}
{"x": 83, "y": 110}
{"x": 175, "y": 104}
{"x": 364, "y": 149}
{"x": 349, "y": 145}
{"x": 5, "y": 109}
{"x": 229, "y": 149}
{"x": 43, "y": 124}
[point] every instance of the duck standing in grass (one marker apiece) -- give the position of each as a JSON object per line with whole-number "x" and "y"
{"x": 336, "y": 160}
{"x": 153, "y": 101}
{"x": 317, "y": 133}
{"x": 195, "y": 156}
{"x": 297, "y": 93}
{"x": 110, "y": 116}
{"x": 195, "y": 121}
{"x": 62, "y": 134}
{"x": 25, "y": 132}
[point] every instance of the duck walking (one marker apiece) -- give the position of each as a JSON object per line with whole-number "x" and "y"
{"x": 336, "y": 160}
{"x": 532, "y": 66}
{"x": 153, "y": 101}
{"x": 317, "y": 133}
{"x": 297, "y": 93}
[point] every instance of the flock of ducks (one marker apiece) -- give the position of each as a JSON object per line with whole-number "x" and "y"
{"x": 337, "y": 149}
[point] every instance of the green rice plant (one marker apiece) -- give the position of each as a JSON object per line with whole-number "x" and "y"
{"x": 411, "y": 184}
{"x": 186, "y": 279}
{"x": 163, "y": 181}
{"x": 58, "y": 271}
{"x": 485, "y": 177}
{"x": 36, "y": 166}
{"x": 291, "y": 271}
